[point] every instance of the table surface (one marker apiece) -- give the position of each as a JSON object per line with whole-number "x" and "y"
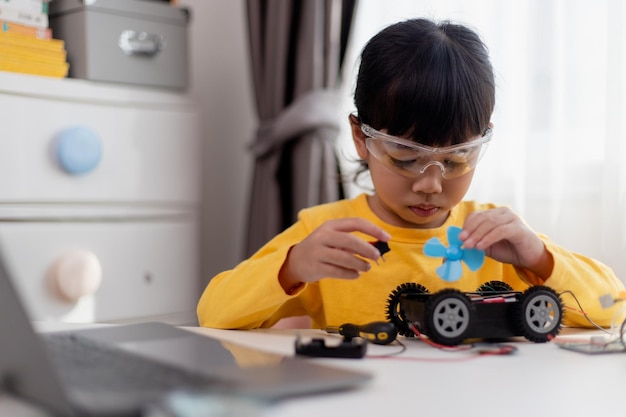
{"x": 537, "y": 379}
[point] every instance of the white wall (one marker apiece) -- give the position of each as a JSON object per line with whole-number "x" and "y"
{"x": 221, "y": 85}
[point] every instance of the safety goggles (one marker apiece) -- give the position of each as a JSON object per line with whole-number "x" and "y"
{"x": 411, "y": 159}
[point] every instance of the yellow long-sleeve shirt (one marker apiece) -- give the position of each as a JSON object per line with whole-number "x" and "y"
{"x": 249, "y": 296}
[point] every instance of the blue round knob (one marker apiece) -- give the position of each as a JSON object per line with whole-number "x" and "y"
{"x": 79, "y": 150}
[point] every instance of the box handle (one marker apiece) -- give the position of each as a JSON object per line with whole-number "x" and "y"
{"x": 141, "y": 43}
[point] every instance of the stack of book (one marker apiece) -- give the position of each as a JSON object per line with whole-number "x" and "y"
{"x": 26, "y": 41}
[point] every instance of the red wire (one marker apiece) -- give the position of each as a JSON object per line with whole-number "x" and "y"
{"x": 423, "y": 338}
{"x": 504, "y": 349}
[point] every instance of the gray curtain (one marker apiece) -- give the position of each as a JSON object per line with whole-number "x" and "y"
{"x": 297, "y": 48}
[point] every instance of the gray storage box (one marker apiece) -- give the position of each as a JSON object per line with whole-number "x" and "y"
{"x": 124, "y": 41}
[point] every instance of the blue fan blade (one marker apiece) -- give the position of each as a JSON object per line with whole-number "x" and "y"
{"x": 442, "y": 270}
{"x": 450, "y": 271}
{"x": 473, "y": 258}
{"x": 434, "y": 248}
{"x": 453, "y": 236}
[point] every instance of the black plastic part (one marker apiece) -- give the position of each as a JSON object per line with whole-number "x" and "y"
{"x": 382, "y": 247}
{"x": 348, "y": 348}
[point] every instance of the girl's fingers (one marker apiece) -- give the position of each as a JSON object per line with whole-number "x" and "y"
{"x": 341, "y": 237}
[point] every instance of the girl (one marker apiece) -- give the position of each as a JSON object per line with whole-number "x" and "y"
{"x": 424, "y": 97}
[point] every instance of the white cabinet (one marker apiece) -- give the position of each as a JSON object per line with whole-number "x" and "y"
{"x": 116, "y": 240}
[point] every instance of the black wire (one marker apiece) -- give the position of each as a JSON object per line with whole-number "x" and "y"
{"x": 396, "y": 353}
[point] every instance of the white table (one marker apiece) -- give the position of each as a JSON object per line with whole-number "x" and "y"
{"x": 536, "y": 380}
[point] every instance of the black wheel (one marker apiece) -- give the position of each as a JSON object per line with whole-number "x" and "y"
{"x": 494, "y": 287}
{"x": 394, "y": 312}
{"x": 540, "y": 314}
{"x": 448, "y": 317}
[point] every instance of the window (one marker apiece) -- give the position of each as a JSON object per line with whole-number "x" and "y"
{"x": 560, "y": 106}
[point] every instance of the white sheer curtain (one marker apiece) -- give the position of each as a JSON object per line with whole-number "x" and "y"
{"x": 558, "y": 156}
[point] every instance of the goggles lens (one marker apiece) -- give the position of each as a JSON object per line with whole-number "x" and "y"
{"x": 411, "y": 159}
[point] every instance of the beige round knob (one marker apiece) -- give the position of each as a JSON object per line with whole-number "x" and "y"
{"x": 77, "y": 274}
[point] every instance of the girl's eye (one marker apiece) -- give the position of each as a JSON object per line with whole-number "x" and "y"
{"x": 460, "y": 159}
{"x": 400, "y": 163}
{"x": 452, "y": 163}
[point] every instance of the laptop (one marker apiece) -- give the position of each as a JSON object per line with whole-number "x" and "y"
{"x": 49, "y": 369}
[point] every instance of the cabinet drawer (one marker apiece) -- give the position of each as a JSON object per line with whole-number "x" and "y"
{"x": 149, "y": 269}
{"x": 147, "y": 154}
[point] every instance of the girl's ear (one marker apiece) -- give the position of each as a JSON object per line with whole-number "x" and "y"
{"x": 358, "y": 137}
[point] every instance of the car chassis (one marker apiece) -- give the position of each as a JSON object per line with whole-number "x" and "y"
{"x": 494, "y": 312}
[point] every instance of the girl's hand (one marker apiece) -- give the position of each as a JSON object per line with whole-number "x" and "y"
{"x": 332, "y": 251}
{"x": 506, "y": 238}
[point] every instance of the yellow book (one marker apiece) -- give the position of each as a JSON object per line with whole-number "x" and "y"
{"x": 16, "y": 52}
{"x": 18, "y": 39}
{"x": 56, "y": 71}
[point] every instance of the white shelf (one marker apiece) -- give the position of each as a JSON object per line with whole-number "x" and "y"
{"x": 69, "y": 89}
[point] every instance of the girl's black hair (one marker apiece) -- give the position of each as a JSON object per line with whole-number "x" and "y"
{"x": 432, "y": 82}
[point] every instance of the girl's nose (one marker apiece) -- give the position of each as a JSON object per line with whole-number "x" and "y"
{"x": 429, "y": 181}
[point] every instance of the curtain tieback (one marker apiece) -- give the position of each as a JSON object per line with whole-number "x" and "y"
{"x": 314, "y": 110}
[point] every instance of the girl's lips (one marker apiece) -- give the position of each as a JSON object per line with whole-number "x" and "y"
{"x": 424, "y": 210}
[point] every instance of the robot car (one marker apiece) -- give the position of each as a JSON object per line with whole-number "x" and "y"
{"x": 493, "y": 312}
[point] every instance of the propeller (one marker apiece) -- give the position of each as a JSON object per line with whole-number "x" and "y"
{"x": 452, "y": 255}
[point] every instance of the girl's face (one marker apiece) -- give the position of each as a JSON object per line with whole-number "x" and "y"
{"x": 422, "y": 202}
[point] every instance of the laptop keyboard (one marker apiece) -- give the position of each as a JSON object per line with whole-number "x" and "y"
{"x": 90, "y": 365}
